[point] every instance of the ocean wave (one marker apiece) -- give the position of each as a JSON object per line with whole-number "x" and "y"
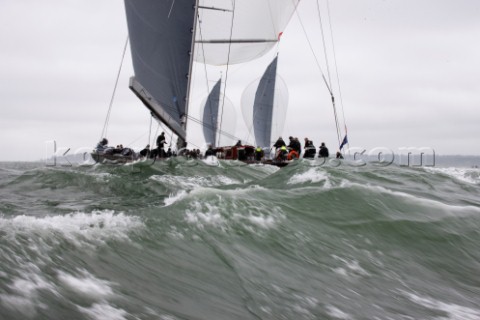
{"x": 186, "y": 240}
{"x": 463, "y": 174}
{"x": 80, "y": 228}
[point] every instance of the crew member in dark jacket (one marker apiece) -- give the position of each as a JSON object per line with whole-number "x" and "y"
{"x": 279, "y": 143}
{"x": 323, "y": 151}
{"x": 309, "y": 149}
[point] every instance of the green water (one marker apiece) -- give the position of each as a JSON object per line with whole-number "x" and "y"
{"x": 183, "y": 240}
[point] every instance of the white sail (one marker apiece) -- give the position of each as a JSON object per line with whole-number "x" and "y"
{"x": 230, "y": 32}
{"x": 218, "y": 117}
{"x": 264, "y": 106}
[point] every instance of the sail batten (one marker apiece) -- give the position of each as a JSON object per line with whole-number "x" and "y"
{"x": 214, "y": 8}
{"x": 237, "y": 41}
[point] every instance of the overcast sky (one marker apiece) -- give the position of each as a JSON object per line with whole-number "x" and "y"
{"x": 409, "y": 75}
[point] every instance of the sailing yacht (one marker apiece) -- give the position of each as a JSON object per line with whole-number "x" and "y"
{"x": 167, "y": 37}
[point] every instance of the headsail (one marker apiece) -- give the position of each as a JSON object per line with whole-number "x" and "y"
{"x": 210, "y": 115}
{"x": 218, "y": 113}
{"x": 161, "y": 37}
{"x": 264, "y": 105}
{"x": 239, "y": 31}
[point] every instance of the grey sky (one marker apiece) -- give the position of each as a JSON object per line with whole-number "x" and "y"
{"x": 409, "y": 74}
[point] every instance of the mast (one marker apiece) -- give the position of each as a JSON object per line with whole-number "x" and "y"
{"x": 181, "y": 141}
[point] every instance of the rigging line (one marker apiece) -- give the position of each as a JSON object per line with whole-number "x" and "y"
{"x": 156, "y": 133}
{"x": 313, "y": 52}
{"x": 336, "y": 120}
{"x": 221, "y": 132}
{"x": 167, "y": 107}
{"x": 163, "y": 130}
{"x": 228, "y": 64}
{"x": 277, "y": 51}
{"x": 324, "y": 45}
{"x": 271, "y": 18}
{"x": 150, "y": 130}
{"x": 224, "y": 133}
{"x": 336, "y": 68}
{"x": 206, "y": 75}
{"x": 250, "y": 127}
{"x": 104, "y": 130}
{"x": 129, "y": 145}
{"x": 203, "y": 51}
{"x": 337, "y": 125}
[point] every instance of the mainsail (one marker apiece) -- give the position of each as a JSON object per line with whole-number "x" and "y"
{"x": 161, "y": 38}
{"x": 264, "y": 105}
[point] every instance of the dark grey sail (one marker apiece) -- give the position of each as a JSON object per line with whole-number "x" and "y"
{"x": 161, "y": 40}
{"x": 263, "y": 106}
{"x": 210, "y": 115}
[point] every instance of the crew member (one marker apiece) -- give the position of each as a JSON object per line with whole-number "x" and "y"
{"x": 323, "y": 151}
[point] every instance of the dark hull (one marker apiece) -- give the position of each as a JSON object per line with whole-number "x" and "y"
{"x": 246, "y": 154}
{"x": 113, "y": 158}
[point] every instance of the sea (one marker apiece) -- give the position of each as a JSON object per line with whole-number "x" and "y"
{"x": 191, "y": 239}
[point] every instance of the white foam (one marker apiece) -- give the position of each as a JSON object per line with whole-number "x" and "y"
{"x": 104, "y": 311}
{"x": 86, "y": 284}
{"x": 79, "y": 228}
{"x": 191, "y": 183}
{"x": 447, "y": 209}
{"x": 29, "y": 286}
{"x": 102, "y": 176}
{"x": 352, "y": 267}
{"x": 313, "y": 175}
{"x": 251, "y": 218}
{"x": 464, "y": 174}
{"x": 303, "y": 305}
{"x": 337, "y": 313}
{"x": 174, "y": 198}
{"x": 206, "y": 214}
{"x": 211, "y": 161}
{"x": 454, "y": 311}
{"x": 261, "y": 220}
{"x": 25, "y": 290}
{"x": 22, "y": 305}
{"x": 175, "y": 234}
{"x": 168, "y": 317}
